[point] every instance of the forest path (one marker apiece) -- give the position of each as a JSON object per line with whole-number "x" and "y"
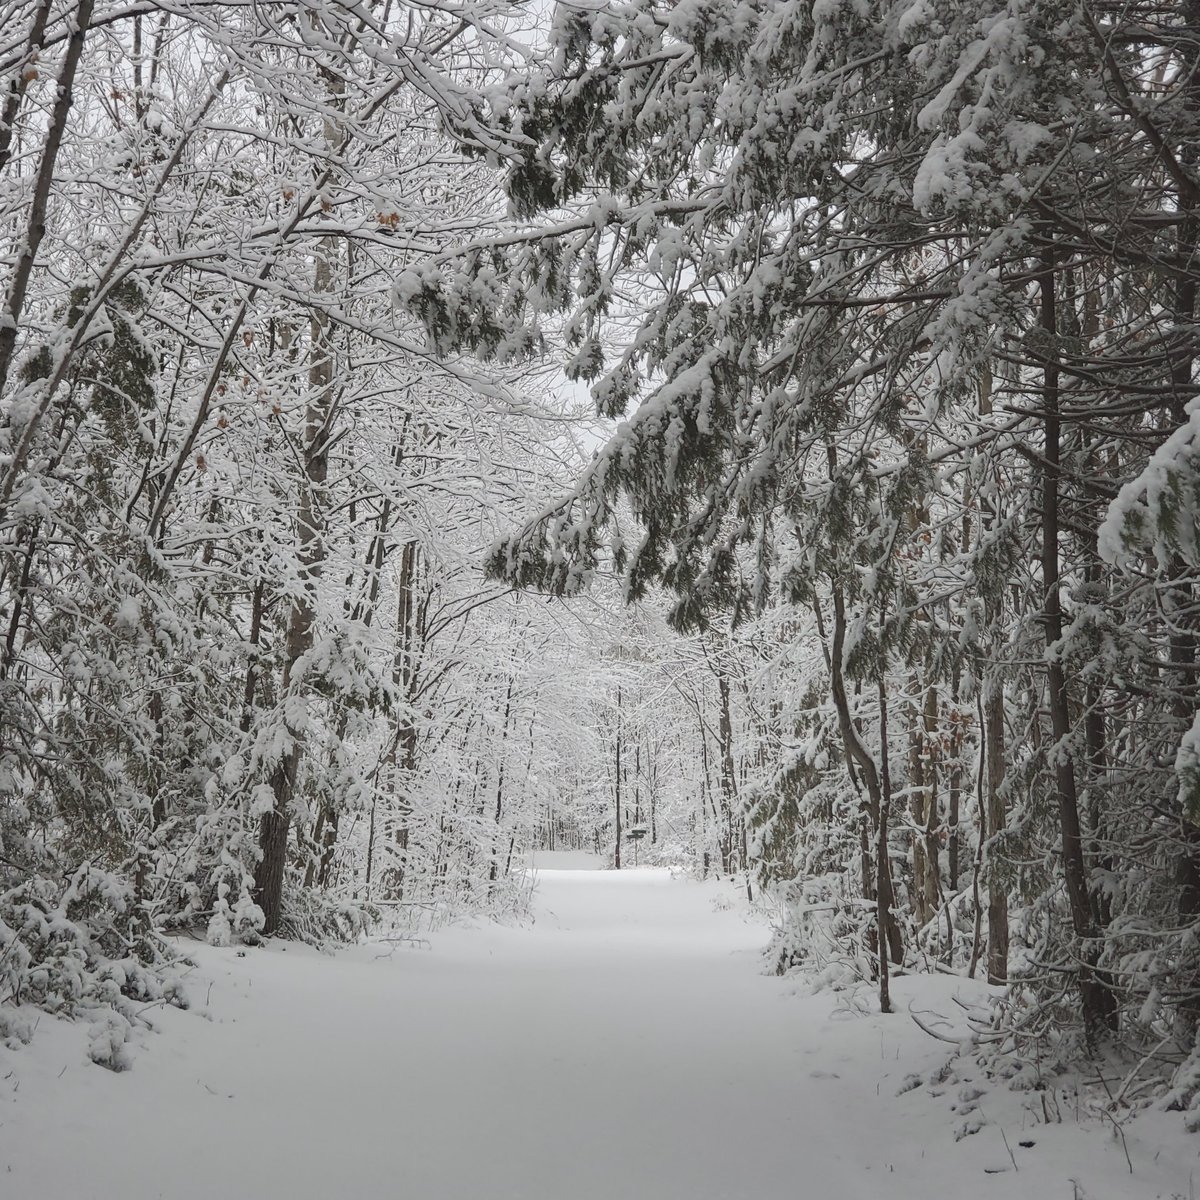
{"x": 625, "y": 1047}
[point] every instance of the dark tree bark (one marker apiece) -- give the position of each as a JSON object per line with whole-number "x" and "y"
{"x": 43, "y": 182}
{"x": 617, "y": 841}
{"x": 728, "y": 775}
{"x": 888, "y": 929}
{"x": 494, "y": 868}
{"x": 19, "y": 83}
{"x": 883, "y": 857}
{"x": 993, "y": 822}
{"x": 1099, "y": 1004}
{"x": 276, "y": 824}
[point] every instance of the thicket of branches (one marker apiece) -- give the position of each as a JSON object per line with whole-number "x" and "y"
{"x": 244, "y": 645}
{"x": 890, "y": 311}
{"x": 252, "y": 679}
{"x": 899, "y": 304}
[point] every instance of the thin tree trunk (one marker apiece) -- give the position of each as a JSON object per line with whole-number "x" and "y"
{"x": 250, "y": 690}
{"x": 493, "y": 870}
{"x": 43, "y": 184}
{"x": 1184, "y": 642}
{"x": 1099, "y": 1008}
{"x": 19, "y": 601}
{"x": 886, "y": 924}
{"x": 728, "y": 774}
{"x": 617, "y": 842}
{"x": 402, "y": 757}
{"x": 705, "y": 786}
{"x": 888, "y": 929}
{"x": 991, "y": 826}
{"x": 652, "y": 782}
{"x": 993, "y": 819}
{"x": 981, "y": 810}
{"x": 21, "y": 78}
{"x": 954, "y": 791}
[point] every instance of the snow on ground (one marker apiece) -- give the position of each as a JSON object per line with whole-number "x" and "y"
{"x": 624, "y": 1047}
{"x": 566, "y": 860}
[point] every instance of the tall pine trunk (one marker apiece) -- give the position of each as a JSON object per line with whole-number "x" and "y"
{"x": 1099, "y": 1006}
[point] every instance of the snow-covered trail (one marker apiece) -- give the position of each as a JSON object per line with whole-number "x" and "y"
{"x": 626, "y": 1047}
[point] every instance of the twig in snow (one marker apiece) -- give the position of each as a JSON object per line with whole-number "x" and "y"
{"x": 1115, "y": 1122}
{"x": 1134, "y": 1073}
{"x": 1009, "y": 1149}
{"x": 933, "y": 1033}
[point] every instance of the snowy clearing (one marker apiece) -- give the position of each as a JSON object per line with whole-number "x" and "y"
{"x": 625, "y": 1045}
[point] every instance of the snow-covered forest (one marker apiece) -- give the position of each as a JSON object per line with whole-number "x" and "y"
{"x": 752, "y": 446}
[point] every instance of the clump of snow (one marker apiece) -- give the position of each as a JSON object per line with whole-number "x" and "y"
{"x": 108, "y": 1042}
{"x": 1187, "y": 768}
{"x": 1158, "y": 508}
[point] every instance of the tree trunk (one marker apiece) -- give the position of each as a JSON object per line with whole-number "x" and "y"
{"x": 883, "y": 858}
{"x": 617, "y": 841}
{"x": 494, "y": 868}
{"x": 20, "y": 80}
{"x": 1099, "y": 1007}
{"x": 728, "y": 776}
{"x": 273, "y": 837}
{"x": 923, "y": 803}
{"x": 1184, "y": 645}
{"x": 993, "y": 819}
{"x": 888, "y": 929}
{"x": 43, "y": 184}
{"x": 993, "y": 825}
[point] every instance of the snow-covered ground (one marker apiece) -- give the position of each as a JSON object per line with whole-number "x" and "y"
{"x": 625, "y": 1047}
